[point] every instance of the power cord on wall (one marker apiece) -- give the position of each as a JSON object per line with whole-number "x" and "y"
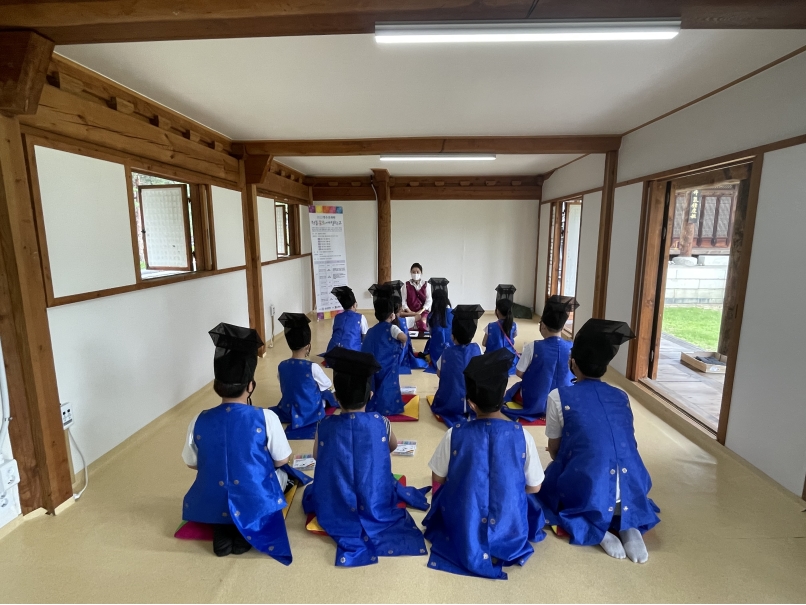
{"x": 83, "y": 463}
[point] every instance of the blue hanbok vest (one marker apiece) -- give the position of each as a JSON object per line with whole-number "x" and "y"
{"x": 547, "y": 371}
{"x": 236, "y": 482}
{"x": 481, "y": 518}
{"x": 302, "y": 404}
{"x": 450, "y": 400}
{"x": 598, "y": 444}
{"x": 386, "y": 397}
{"x": 355, "y": 495}
{"x": 408, "y": 360}
{"x": 496, "y": 340}
{"x": 439, "y": 341}
{"x": 346, "y": 331}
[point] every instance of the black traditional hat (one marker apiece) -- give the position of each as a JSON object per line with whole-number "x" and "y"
{"x": 352, "y": 371}
{"x": 438, "y": 284}
{"x": 486, "y": 379}
{"x": 345, "y": 296}
{"x": 597, "y": 343}
{"x": 506, "y": 291}
{"x": 397, "y": 291}
{"x": 557, "y": 310}
{"x": 235, "y": 353}
{"x": 297, "y": 331}
{"x": 465, "y": 321}
{"x": 381, "y": 291}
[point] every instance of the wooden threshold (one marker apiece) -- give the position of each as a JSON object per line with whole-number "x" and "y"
{"x": 667, "y": 397}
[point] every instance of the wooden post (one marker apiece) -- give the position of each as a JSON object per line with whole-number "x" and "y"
{"x": 748, "y": 201}
{"x": 380, "y": 180}
{"x": 729, "y": 305}
{"x": 689, "y": 228}
{"x": 254, "y": 268}
{"x": 36, "y": 430}
{"x": 605, "y": 233}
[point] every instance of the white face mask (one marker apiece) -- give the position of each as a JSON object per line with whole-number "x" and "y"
{"x": 415, "y": 277}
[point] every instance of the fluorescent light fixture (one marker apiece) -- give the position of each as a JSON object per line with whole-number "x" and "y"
{"x": 438, "y": 157}
{"x": 526, "y": 31}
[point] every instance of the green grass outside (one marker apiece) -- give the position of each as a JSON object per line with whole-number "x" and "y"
{"x": 698, "y": 326}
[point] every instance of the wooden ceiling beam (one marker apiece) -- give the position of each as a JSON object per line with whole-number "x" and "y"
{"x": 82, "y": 22}
{"x": 359, "y": 188}
{"x": 23, "y": 68}
{"x": 415, "y": 145}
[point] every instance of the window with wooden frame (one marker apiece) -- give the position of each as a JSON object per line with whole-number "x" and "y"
{"x": 173, "y": 221}
{"x": 286, "y": 221}
{"x": 563, "y": 248}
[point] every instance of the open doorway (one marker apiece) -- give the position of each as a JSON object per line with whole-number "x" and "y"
{"x": 563, "y": 252}
{"x": 692, "y": 236}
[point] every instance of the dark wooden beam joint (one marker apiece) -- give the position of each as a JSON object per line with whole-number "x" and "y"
{"x": 256, "y": 168}
{"x": 24, "y": 59}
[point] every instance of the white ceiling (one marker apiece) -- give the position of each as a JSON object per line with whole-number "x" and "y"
{"x": 350, "y": 87}
{"x": 362, "y": 165}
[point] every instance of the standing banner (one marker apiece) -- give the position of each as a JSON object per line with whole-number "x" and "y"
{"x": 329, "y": 256}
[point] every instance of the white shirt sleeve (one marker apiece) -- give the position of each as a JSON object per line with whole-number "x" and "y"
{"x": 487, "y": 329}
{"x": 320, "y": 377}
{"x": 439, "y": 363}
{"x": 554, "y": 416}
{"x": 190, "y": 453}
{"x": 532, "y": 468}
{"x": 395, "y": 330}
{"x": 427, "y": 303}
{"x": 441, "y": 459}
{"x": 279, "y": 449}
{"x": 364, "y": 326}
{"x": 526, "y": 357}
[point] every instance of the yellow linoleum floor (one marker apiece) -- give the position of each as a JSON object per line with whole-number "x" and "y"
{"x": 726, "y": 535}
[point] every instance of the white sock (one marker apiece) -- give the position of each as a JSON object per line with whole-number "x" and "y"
{"x": 634, "y": 545}
{"x": 612, "y": 546}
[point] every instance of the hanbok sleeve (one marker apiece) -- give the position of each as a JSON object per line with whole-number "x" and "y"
{"x": 554, "y": 416}
{"x": 190, "y": 453}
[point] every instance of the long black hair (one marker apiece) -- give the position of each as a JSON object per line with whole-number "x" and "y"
{"x": 438, "y": 314}
{"x": 504, "y": 307}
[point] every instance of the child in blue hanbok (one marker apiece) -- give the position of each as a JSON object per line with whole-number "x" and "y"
{"x": 597, "y": 488}
{"x": 304, "y": 386}
{"x": 484, "y": 513}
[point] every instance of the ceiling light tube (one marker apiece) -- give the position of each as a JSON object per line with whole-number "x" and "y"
{"x": 526, "y": 31}
{"x": 438, "y": 157}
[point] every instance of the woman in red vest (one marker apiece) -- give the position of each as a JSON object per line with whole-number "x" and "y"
{"x": 417, "y": 301}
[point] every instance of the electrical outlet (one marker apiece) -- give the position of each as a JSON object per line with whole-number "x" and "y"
{"x": 67, "y": 415}
{"x": 271, "y": 310}
{"x": 9, "y": 475}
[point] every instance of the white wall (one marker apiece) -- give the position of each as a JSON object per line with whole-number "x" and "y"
{"x": 85, "y": 204}
{"x": 228, "y": 221}
{"x": 476, "y": 245}
{"x": 542, "y": 258}
{"x": 588, "y": 250}
{"x": 623, "y": 251}
{"x": 361, "y": 242}
{"x": 767, "y": 424}
{"x": 766, "y": 108}
{"x": 287, "y": 286}
{"x": 124, "y": 360}
{"x": 268, "y": 234}
{"x": 582, "y": 175}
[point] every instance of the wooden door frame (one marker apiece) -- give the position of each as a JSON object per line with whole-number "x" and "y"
{"x": 651, "y": 275}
